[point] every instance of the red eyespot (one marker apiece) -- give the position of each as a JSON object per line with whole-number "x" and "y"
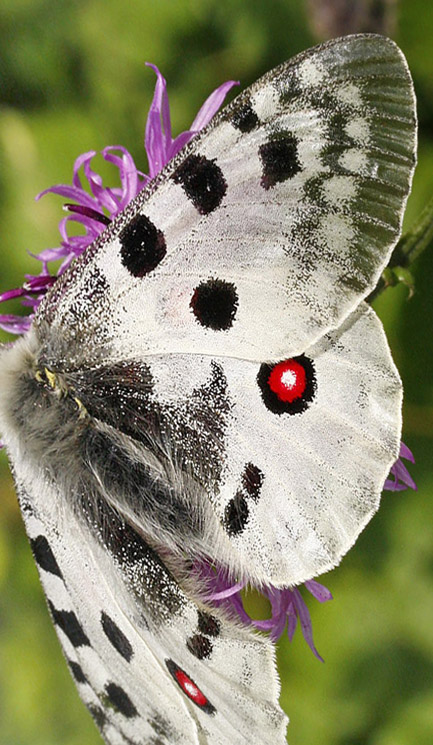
{"x": 189, "y": 688}
{"x": 288, "y": 380}
{"x": 288, "y": 387}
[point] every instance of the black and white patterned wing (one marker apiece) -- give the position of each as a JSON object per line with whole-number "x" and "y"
{"x": 151, "y": 666}
{"x": 268, "y": 228}
{"x": 271, "y": 469}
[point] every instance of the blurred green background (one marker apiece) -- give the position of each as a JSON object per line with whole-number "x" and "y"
{"x": 72, "y": 78}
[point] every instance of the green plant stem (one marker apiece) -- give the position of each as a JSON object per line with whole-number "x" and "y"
{"x": 416, "y": 240}
{"x": 409, "y": 247}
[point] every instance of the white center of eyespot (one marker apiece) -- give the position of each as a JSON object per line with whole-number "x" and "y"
{"x": 190, "y": 688}
{"x": 288, "y": 379}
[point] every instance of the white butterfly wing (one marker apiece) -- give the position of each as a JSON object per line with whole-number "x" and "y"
{"x": 304, "y": 478}
{"x": 129, "y": 633}
{"x": 84, "y": 599}
{"x": 268, "y": 228}
{"x": 280, "y": 488}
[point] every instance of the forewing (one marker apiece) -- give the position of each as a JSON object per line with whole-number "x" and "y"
{"x": 268, "y": 228}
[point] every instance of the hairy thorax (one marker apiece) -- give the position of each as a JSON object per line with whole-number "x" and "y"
{"x": 100, "y": 438}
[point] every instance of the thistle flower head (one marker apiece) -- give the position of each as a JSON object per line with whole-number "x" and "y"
{"x": 288, "y": 606}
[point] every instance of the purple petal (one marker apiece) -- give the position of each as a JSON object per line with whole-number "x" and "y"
{"x": 181, "y": 140}
{"x": 88, "y": 212}
{"x": 41, "y": 282}
{"x": 292, "y": 622}
{"x": 278, "y": 628}
{"x": 281, "y": 611}
{"x": 406, "y": 453}
{"x": 52, "y": 254}
{"x": 394, "y": 486}
{"x": 129, "y": 175}
{"x": 11, "y": 294}
{"x": 101, "y": 194}
{"x": 402, "y": 474}
{"x": 399, "y": 477}
{"x": 92, "y": 231}
{"x": 79, "y": 163}
{"x": 305, "y": 621}
{"x": 157, "y": 138}
{"x": 160, "y": 103}
{"x": 318, "y": 591}
{"x": 265, "y": 625}
{"x": 212, "y": 105}
{"x": 15, "y": 324}
{"x": 235, "y": 603}
{"x": 223, "y": 594}
{"x": 69, "y": 192}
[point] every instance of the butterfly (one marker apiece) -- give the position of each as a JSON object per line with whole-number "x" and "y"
{"x": 207, "y": 383}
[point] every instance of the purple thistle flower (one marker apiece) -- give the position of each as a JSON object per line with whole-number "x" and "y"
{"x": 93, "y": 207}
{"x": 287, "y": 604}
{"x": 401, "y": 476}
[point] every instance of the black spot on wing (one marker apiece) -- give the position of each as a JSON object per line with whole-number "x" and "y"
{"x": 202, "y": 181}
{"x": 279, "y": 158}
{"x": 44, "y": 555}
{"x": 245, "y": 118}
{"x": 77, "y": 671}
{"x": 289, "y": 87}
{"x": 236, "y": 514}
{"x": 70, "y": 625}
{"x": 214, "y": 304}
{"x": 208, "y": 624}
{"x": 200, "y": 646}
{"x": 252, "y": 480}
{"x": 142, "y": 246}
{"x": 119, "y": 699}
{"x": 116, "y": 637}
{"x": 98, "y": 715}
